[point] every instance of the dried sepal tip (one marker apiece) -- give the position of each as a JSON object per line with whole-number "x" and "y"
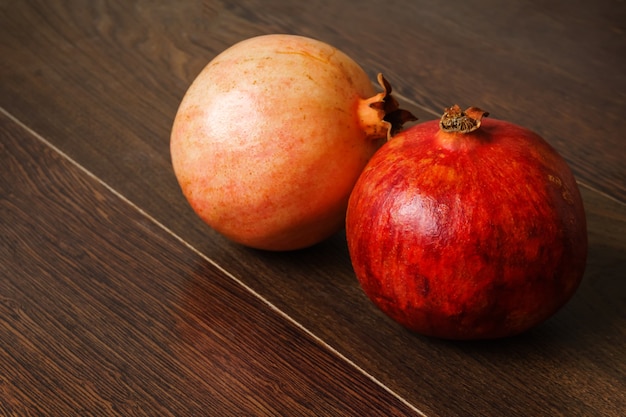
{"x": 455, "y": 120}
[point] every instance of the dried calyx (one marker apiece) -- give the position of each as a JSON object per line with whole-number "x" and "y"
{"x": 389, "y": 118}
{"x": 455, "y": 120}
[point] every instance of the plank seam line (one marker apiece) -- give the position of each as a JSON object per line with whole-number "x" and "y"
{"x": 600, "y": 193}
{"x": 211, "y": 261}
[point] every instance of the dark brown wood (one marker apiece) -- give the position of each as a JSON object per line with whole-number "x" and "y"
{"x": 102, "y": 81}
{"x": 556, "y": 69}
{"x": 105, "y": 313}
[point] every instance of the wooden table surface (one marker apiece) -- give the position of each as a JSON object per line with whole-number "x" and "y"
{"x": 115, "y": 299}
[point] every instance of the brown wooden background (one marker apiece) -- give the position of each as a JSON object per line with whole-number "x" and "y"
{"x": 116, "y": 300}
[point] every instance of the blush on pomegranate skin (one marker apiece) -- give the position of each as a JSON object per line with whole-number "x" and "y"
{"x": 467, "y": 228}
{"x": 271, "y": 136}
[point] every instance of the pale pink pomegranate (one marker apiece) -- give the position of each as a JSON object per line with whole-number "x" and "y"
{"x": 272, "y": 135}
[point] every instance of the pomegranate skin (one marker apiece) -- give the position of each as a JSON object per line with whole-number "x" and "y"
{"x": 467, "y": 235}
{"x": 271, "y": 137}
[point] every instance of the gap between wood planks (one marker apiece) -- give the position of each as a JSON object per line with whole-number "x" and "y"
{"x": 209, "y": 260}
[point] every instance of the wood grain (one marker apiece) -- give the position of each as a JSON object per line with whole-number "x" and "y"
{"x": 557, "y": 69}
{"x": 101, "y": 80}
{"x": 103, "y": 313}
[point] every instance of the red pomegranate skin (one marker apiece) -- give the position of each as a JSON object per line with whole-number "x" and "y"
{"x": 467, "y": 236}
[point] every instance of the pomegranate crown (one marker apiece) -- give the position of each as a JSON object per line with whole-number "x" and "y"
{"x": 455, "y": 120}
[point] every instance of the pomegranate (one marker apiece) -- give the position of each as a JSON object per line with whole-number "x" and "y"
{"x": 271, "y": 136}
{"x": 467, "y": 228}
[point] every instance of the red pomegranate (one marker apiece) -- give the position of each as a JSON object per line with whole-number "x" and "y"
{"x": 467, "y": 228}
